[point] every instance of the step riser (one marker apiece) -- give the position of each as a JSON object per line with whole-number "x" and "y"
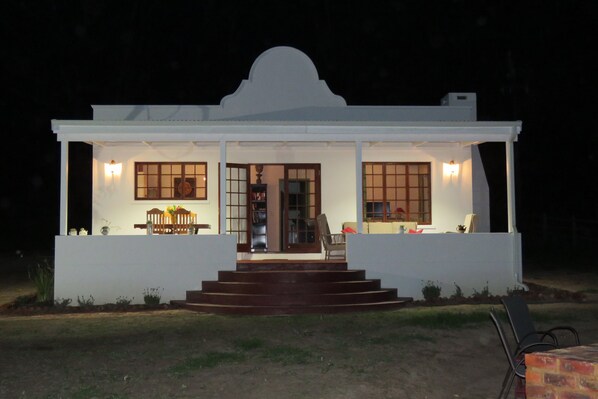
{"x": 291, "y": 276}
{"x": 264, "y": 266}
{"x": 269, "y": 311}
{"x": 290, "y": 288}
{"x": 294, "y": 300}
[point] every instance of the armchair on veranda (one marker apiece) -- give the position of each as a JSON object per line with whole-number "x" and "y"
{"x": 334, "y": 244}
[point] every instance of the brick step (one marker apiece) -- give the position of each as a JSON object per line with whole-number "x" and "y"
{"x": 285, "y": 310}
{"x": 233, "y": 287}
{"x": 265, "y": 265}
{"x": 291, "y": 287}
{"x": 291, "y": 276}
{"x": 219, "y": 298}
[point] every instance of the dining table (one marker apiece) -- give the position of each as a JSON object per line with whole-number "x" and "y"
{"x": 168, "y": 226}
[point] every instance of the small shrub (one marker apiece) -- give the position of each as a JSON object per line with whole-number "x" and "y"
{"x": 85, "y": 303}
{"x": 62, "y": 302}
{"x": 484, "y": 294}
{"x": 123, "y": 301}
{"x": 431, "y": 292}
{"x": 43, "y": 278}
{"x": 152, "y": 296}
{"x": 515, "y": 291}
{"x": 458, "y": 293}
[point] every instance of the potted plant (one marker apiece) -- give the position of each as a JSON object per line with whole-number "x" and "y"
{"x": 105, "y": 229}
{"x": 461, "y": 228}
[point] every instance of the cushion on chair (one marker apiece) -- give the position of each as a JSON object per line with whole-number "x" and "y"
{"x": 419, "y": 231}
{"x": 353, "y": 225}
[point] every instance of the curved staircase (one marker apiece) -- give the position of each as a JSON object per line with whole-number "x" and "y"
{"x": 291, "y": 287}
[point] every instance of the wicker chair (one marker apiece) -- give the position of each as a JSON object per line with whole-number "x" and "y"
{"x": 331, "y": 242}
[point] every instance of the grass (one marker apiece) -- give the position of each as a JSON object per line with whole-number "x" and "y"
{"x": 207, "y": 361}
{"x": 174, "y": 353}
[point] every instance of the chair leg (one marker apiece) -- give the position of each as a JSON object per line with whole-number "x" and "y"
{"x": 504, "y": 392}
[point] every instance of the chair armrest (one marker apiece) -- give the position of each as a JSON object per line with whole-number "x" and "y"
{"x": 567, "y": 328}
{"x": 542, "y": 334}
{"x": 526, "y": 348}
{"x": 337, "y": 238}
{"x": 334, "y": 238}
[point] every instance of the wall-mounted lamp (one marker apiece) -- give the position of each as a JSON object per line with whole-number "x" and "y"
{"x": 451, "y": 169}
{"x": 113, "y": 168}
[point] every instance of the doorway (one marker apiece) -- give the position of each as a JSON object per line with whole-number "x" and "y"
{"x": 293, "y": 202}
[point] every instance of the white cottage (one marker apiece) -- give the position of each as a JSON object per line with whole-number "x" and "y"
{"x": 311, "y": 153}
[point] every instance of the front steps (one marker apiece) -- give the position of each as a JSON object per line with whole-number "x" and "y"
{"x": 276, "y": 287}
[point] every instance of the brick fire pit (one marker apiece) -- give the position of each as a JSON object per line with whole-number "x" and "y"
{"x": 569, "y": 373}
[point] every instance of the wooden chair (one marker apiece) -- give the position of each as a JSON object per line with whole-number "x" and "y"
{"x": 181, "y": 220}
{"x": 156, "y": 216}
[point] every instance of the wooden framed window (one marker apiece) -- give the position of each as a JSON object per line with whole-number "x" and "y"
{"x": 394, "y": 191}
{"x": 171, "y": 180}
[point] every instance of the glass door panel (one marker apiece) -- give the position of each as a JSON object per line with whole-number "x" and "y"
{"x": 237, "y": 219}
{"x": 302, "y": 205}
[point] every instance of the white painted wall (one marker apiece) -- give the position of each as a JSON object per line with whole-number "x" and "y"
{"x": 408, "y": 261}
{"x": 113, "y": 199}
{"x": 108, "y": 267}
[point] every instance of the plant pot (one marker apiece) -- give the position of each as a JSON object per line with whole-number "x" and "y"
{"x": 105, "y": 230}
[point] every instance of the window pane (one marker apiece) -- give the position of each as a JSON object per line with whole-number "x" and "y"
{"x": 399, "y": 185}
{"x": 391, "y": 181}
{"x": 156, "y": 180}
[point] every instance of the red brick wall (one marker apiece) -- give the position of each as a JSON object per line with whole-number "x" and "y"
{"x": 563, "y": 374}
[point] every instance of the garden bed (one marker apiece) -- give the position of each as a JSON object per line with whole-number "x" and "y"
{"x": 26, "y": 305}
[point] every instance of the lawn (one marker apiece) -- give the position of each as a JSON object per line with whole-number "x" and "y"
{"x": 441, "y": 352}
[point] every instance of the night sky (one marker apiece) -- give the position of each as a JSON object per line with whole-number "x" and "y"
{"x": 533, "y": 62}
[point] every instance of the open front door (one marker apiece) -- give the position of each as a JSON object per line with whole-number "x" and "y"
{"x": 301, "y": 206}
{"x": 237, "y": 196}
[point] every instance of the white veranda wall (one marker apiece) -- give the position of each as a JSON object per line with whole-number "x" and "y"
{"x": 108, "y": 267}
{"x": 409, "y": 261}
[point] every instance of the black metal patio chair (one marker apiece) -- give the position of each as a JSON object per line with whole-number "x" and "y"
{"x": 516, "y": 359}
{"x": 524, "y": 330}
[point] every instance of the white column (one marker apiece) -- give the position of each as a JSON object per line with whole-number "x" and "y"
{"x": 510, "y": 161}
{"x": 359, "y": 185}
{"x": 64, "y": 187}
{"x": 222, "y": 199}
